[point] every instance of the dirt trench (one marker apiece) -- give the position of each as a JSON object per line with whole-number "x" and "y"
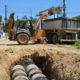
{"x": 58, "y": 62}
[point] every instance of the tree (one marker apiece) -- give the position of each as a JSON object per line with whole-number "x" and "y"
{"x": 34, "y": 20}
{"x": 24, "y": 18}
{"x": 77, "y": 17}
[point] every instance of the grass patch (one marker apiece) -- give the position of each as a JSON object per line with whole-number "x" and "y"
{"x": 77, "y": 43}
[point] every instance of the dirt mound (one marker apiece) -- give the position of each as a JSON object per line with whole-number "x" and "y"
{"x": 60, "y": 62}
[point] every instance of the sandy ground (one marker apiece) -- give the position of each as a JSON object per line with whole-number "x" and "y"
{"x": 60, "y": 62}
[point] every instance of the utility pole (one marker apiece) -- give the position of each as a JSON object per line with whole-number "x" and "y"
{"x": 5, "y": 13}
{"x": 64, "y": 8}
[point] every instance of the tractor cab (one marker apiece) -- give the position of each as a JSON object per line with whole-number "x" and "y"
{"x": 24, "y": 31}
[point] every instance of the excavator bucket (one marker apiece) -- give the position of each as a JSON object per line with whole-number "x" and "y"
{"x": 54, "y": 10}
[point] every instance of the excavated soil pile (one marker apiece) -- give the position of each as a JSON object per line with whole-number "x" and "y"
{"x": 60, "y": 62}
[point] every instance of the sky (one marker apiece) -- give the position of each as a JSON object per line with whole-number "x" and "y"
{"x": 26, "y": 7}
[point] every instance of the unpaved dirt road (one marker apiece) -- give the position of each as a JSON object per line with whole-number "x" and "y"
{"x": 60, "y": 62}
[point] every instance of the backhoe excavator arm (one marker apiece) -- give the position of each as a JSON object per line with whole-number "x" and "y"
{"x": 39, "y": 20}
{"x": 50, "y": 11}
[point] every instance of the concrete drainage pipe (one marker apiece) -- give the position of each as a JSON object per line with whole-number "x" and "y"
{"x": 19, "y": 73}
{"x": 34, "y": 72}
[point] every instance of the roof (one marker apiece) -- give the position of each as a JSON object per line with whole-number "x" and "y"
{"x": 55, "y": 19}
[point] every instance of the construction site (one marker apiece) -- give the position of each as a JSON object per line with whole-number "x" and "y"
{"x": 44, "y": 49}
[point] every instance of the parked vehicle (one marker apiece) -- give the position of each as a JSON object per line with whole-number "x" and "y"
{"x": 61, "y": 30}
{"x": 32, "y": 33}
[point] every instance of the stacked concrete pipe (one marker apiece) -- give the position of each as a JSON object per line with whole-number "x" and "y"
{"x": 29, "y": 71}
{"x": 34, "y": 73}
{"x": 19, "y": 73}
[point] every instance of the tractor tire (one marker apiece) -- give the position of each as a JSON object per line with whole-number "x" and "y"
{"x": 22, "y": 38}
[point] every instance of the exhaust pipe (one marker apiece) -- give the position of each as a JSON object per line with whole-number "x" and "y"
{"x": 34, "y": 72}
{"x": 19, "y": 73}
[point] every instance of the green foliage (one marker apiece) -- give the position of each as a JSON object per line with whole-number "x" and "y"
{"x": 77, "y": 44}
{"x": 23, "y": 22}
{"x": 34, "y": 20}
{"x": 77, "y": 17}
{"x": 1, "y": 23}
{"x": 17, "y": 23}
{"x": 24, "y": 18}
